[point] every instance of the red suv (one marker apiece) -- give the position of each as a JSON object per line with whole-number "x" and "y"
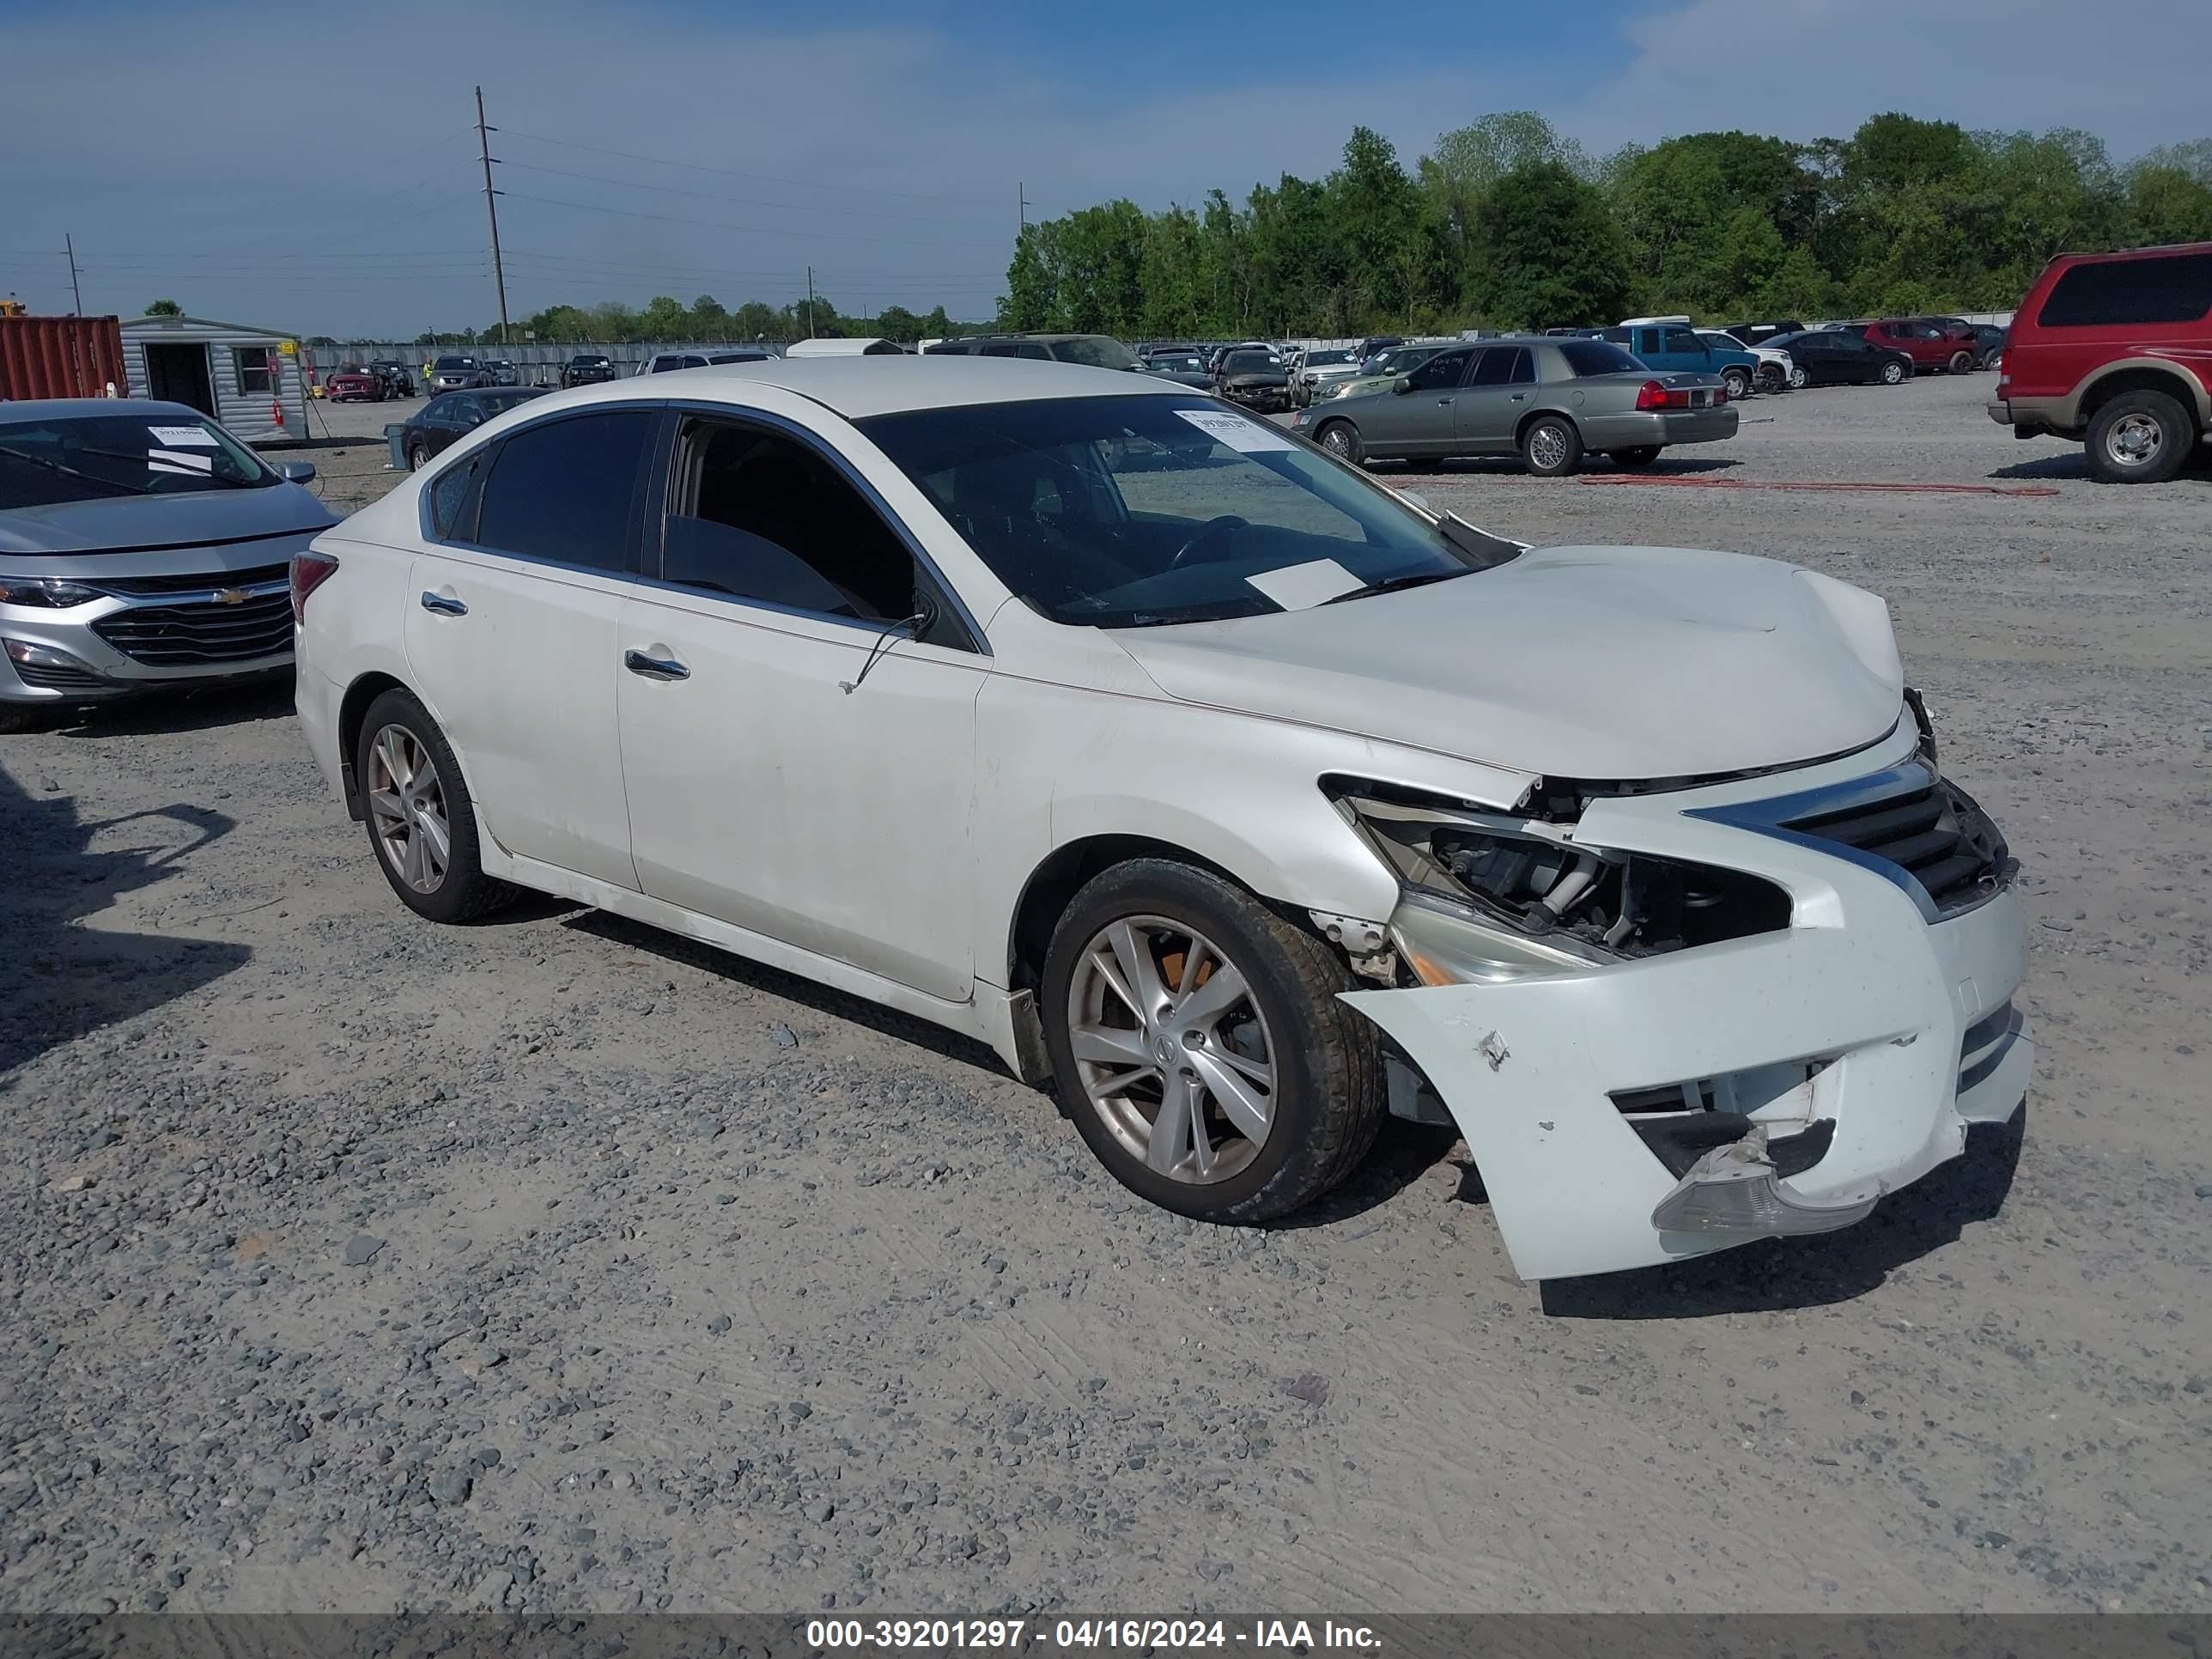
{"x": 1928, "y": 342}
{"x": 2115, "y": 350}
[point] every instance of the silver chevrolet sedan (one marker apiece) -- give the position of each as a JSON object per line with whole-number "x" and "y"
{"x": 1549, "y": 401}
{"x": 143, "y": 548}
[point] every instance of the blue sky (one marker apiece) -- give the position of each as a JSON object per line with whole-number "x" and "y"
{"x": 313, "y": 167}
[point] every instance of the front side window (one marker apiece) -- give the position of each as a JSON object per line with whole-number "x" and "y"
{"x": 563, "y": 491}
{"x": 1440, "y": 371}
{"x": 256, "y": 367}
{"x": 757, "y": 515}
{"x": 44, "y": 463}
{"x": 1131, "y": 512}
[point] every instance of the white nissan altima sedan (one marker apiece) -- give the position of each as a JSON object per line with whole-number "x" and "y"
{"x": 1199, "y": 773}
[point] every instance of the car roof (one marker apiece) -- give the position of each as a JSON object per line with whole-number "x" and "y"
{"x": 858, "y": 388}
{"x": 77, "y": 409}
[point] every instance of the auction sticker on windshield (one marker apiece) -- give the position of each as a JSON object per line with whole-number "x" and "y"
{"x": 1302, "y": 586}
{"x": 1247, "y": 437}
{"x": 189, "y": 437}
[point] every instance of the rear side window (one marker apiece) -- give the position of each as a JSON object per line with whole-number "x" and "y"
{"x": 1504, "y": 365}
{"x": 2172, "y": 289}
{"x": 1596, "y": 357}
{"x": 1683, "y": 340}
{"x": 563, "y": 491}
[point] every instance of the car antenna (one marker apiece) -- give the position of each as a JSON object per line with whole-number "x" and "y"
{"x": 906, "y": 627}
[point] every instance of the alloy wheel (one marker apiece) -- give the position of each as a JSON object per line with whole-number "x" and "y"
{"x": 2135, "y": 440}
{"x": 1548, "y": 446}
{"x": 1172, "y": 1050}
{"x": 1338, "y": 442}
{"x": 407, "y": 808}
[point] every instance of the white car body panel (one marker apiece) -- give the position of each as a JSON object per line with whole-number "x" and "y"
{"x": 881, "y": 840}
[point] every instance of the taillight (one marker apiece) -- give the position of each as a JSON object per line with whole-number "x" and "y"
{"x": 1652, "y": 395}
{"x": 1720, "y": 394}
{"x": 309, "y": 572}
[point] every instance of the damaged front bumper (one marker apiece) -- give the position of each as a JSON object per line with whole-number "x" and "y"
{"x": 1632, "y": 1113}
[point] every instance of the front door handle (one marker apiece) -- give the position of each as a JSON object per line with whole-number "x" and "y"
{"x": 443, "y": 605}
{"x": 1443, "y": 403}
{"x": 654, "y": 668}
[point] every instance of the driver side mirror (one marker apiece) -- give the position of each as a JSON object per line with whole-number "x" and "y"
{"x": 1401, "y": 385}
{"x": 296, "y": 472}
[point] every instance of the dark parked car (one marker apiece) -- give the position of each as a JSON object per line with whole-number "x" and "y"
{"x": 143, "y": 549}
{"x": 1091, "y": 351}
{"x": 456, "y": 373}
{"x": 1549, "y": 401}
{"x": 349, "y": 383}
{"x": 1184, "y": 367}
{"x": 1989, "y": 344}
{"x": 454, "y": 415}
{"x": 1258, "y": 379}
{"x": 1763, "y": 333}
{"x": 587, "y": 368}
{"x": 399, "y": 378}
{"x": 1829, "y": 356}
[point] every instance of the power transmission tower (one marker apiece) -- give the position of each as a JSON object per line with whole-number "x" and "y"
{"x": 809, "y": 302}
{"x": 69, "y": 246}
{"x": 491, "y": 206}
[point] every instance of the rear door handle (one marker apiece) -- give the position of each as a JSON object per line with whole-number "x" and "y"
{"x": 654, "y": 668}
{"x": 444, "y": 606}
{"x": 1520, "y": 397}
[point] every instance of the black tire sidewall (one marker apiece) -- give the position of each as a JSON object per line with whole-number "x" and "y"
{"x": 1232, "y": 919}
{"x": 466, "y": 888}
{"x": 417, "y": 458}
{"x": 1574, "y": 458}
{"x": 2177, "y": 438}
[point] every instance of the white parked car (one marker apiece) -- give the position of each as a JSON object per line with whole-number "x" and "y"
{"x": 1190, "y": 768}
{"x": 1774, "y": 367}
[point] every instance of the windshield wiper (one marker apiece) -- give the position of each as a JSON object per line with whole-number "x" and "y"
{"x": 53, "y": 465}
{"x": 1396, "y": 584}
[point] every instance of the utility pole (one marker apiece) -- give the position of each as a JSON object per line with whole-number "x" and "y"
{"x": 1022, "y": 204}
{"x": 491, "y": 206}
{"x": 69, "y": 247}
{"x": 809, "y": 302}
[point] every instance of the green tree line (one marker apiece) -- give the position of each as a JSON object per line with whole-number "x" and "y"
{"x": 1508, "y": 224}
{"x": 664, "y": 319}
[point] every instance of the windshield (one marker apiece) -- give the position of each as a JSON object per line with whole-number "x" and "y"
{"x": 1132, "y": 512}
{"x": 498, "y": 402}
{"x": 457, "y": 362}
{"x": 1175, "y": 364}
{"x": 1251, "y": 362}
{"x": 103, "y": 456}
{"x": 1096, "y": 351}
{"x": 1322, "y": 359}
{"x": 1400, "y": 360}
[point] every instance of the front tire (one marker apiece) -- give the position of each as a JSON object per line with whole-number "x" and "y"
{"x": 1892, "y": 372}
{"x": 2139, "y": 437}
{"x": 1341, "y": 439}
{"x": 1552, "y": 447}
{"x": 1770, "y": 377}
{"x": 1197, "y": 1040}
{"x": 421, "y": 820}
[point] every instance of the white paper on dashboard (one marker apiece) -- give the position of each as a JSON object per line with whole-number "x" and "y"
{"x": 184, "y": 437}
{"x": 1303, "y": 587}
{"x": 172, "y": 460}
{"x": 1239, "y": 432}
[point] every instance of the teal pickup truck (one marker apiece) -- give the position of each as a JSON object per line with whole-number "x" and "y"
{"x": 1670, "y": 343}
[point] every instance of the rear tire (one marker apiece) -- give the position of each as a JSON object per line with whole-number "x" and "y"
{"x": 417, "y": 458}
{"x": 1770, "y": 377}
{"x": 1800, "y": 377}
{"x": 414, "y": 796}
{"x": 1738, "y": 382}
{"x": 2139, "y": 437}
{"x": 1962, "y": 362}
{"x": 1552, "y": 447}
{"x": 1323, "y": 1096}
{"x": 1341, "y": 439}
{"x": 1642, "y": 455}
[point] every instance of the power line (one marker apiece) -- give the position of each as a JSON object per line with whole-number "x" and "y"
{"x": 732, "y": 173}
{"x": 754, "y": 230}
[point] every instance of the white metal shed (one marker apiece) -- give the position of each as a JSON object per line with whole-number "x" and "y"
{"x": 248, "y": 379}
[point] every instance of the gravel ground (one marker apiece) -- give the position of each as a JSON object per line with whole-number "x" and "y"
{"x": 353, "y": 1263}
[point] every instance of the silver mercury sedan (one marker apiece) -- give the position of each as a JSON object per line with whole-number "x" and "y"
{"x": 143, "y": 548}
{"x": 1550, "y": 401}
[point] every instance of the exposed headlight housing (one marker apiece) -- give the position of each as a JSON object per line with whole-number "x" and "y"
{"x": 46, "y": 592}
{"x": 1488, "y": 895}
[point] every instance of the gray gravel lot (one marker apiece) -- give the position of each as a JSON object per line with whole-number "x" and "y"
{"x": 353, "y": 1263}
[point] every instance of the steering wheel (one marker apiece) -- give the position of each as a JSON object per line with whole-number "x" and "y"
{"x": 1206, "y": 532}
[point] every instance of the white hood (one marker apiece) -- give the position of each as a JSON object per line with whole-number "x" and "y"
{"x": 1581, "y": 662}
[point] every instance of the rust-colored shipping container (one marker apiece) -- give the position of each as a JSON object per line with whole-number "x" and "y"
{"x": 61, "y": 357}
